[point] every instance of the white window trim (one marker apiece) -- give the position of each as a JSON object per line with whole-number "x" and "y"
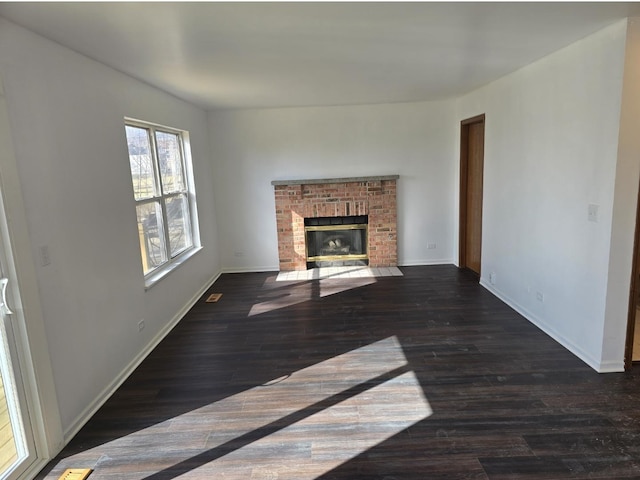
{"x": 153, "y": 277}
{"x": 159, "y": 273}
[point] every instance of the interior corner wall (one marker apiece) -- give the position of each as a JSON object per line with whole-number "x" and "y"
{"x": 551, "y": 145}
{"x": 253, "y": 147}
{"x": 66, "y": 115}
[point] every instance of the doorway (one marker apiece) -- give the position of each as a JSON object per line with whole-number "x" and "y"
{"x": 17, "y": 448}
{"x": 471, "y": 181}
{"x": 30, "y": 429}
{"x": 632, "y": 346}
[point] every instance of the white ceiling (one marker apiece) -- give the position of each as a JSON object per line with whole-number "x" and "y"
{"x": 239, "y": 55}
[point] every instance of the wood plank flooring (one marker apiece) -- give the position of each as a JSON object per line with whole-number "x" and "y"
{"x": 424, "y": 376}
{"x": 8, "y": 451}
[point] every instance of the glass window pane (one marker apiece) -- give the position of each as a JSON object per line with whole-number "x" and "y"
{"x": 141, "y": 162}
{"x": 151, "y": 231}
{"x": 170, "y": 162}
{"x": 179, "y": 224}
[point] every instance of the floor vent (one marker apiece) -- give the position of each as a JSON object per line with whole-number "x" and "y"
{"x": 76, "y": 474}
{"x": 213, "y": 298}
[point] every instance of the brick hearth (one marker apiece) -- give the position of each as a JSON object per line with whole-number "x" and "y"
{"x": 300, "y": 199}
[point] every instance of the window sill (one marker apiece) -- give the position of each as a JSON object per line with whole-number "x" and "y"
{"x": 158, "y": 275}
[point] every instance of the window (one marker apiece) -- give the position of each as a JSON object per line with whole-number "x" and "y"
{"x": 162, "y": 187}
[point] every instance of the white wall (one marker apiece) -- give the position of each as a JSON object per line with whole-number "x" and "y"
{"x": 66, "y": 114}
{"x": 253, "y": 147}
{"x": 550, "y": 151}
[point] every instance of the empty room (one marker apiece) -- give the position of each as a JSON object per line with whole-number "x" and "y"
{"x": 319, "y": 240}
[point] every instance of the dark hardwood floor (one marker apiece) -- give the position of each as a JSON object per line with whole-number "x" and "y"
{"x": 425, "y": 376}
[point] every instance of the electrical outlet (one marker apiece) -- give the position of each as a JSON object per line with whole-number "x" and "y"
{"x": 492, "y": 278}
{"x": 592, "y": 212}
{"x": 431, "y": 246}
{"x": 141, "y": 325}
{"x": 540, "y": 296}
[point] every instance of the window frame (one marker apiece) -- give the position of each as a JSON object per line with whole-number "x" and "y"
{"x": 160, "y": 197}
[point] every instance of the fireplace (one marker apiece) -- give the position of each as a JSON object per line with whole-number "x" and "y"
{"x": 319, "y": 217}
{"x": 336, "y": 241}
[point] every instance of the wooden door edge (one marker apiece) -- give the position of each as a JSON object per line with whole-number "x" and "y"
{"x": 631, "y": 314}
{"x": 462, "y": 215}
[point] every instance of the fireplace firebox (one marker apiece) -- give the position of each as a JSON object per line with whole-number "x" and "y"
{"x": 336, "y": 241}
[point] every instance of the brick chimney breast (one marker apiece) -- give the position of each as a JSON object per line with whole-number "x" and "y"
{"x": 337, "y": 197}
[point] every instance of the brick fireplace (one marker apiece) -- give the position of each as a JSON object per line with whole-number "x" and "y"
{"x": 374, "y": 197}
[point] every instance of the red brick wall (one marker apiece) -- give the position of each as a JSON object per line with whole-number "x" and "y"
{"x": 377, "y": 199}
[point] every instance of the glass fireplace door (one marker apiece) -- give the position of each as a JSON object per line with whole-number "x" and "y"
{"x": 336, "y": 241}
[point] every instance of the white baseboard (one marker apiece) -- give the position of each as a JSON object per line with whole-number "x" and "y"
{"x": 88, "y": 412}
{"x": 611, "y": 367}
{"x": 597, "y": 365}
{"x": 421, "y": 263}
{"x": 250, "y": 269}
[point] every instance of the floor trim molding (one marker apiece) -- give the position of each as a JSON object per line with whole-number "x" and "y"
{"x": 100, "y": 400}
{"x": 597, "y": 365}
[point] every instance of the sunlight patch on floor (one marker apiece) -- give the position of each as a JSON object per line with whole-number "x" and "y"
{"x": 350, "y": 428}
{"x": 303, "y": 292}
{"x": 326, "y": 414}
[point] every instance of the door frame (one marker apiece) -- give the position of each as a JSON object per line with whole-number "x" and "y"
{"x": 29, "y": 328}
{"x": 635, "y": 271}
{"x": 12, "y": 367}
{"x": 464, "y": 169}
